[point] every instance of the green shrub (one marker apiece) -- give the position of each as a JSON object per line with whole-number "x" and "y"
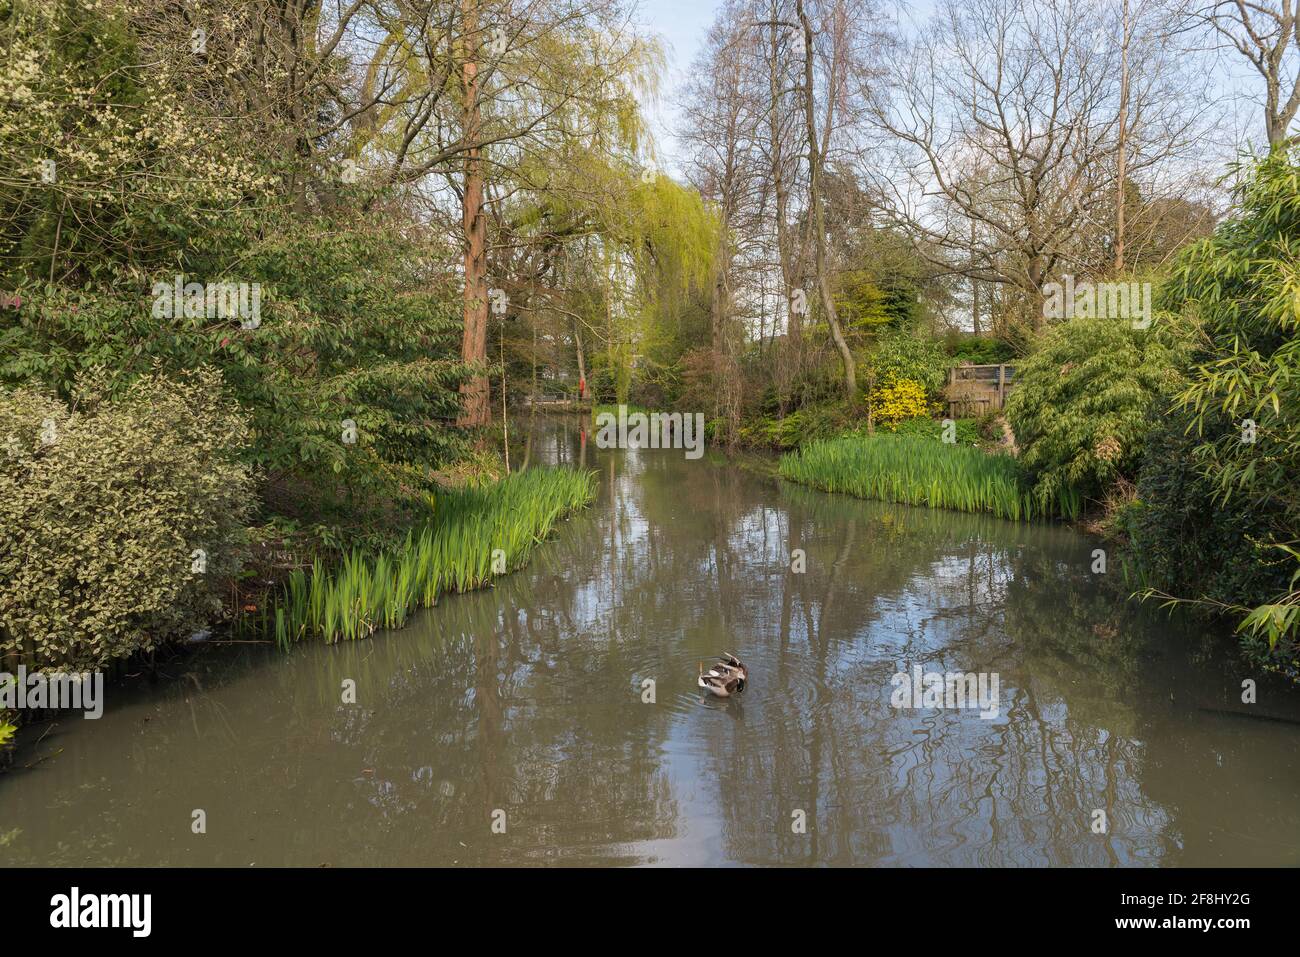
{"x": 348, "y": 333}
{"x": 904, "y": 355}
{"x": 1185, "y": 541}
{"x": 360, "y": 319}
{"x": 979, "y": 350}
{"x": 966, "y": 431}
{"x": 1085, "y": 398}
{"x": 103, "y": 505}
{"x": 1243, "y": 288}
{"x": 803, "y": 425}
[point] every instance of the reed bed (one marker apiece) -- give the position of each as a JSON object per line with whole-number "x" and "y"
{"x": 453, "y": 553}
{"x": 921, "y": 471}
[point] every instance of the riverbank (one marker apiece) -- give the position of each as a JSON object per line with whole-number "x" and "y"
{"x": 476, "y": 534}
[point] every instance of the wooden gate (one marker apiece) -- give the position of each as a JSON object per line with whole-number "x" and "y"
{"x": 974, "y": 390}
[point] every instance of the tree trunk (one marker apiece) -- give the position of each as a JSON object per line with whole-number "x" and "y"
{"x": 819, "y": 223}
{"x": 788, "y": 357}
{"x": 1122, "y": 157}
{"x": 474, "y": 344}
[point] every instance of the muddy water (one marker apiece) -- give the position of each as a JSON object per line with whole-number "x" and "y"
{"x": 527, "y": 699}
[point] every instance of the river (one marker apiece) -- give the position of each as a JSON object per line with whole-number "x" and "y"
{"x": 513, "y": 726}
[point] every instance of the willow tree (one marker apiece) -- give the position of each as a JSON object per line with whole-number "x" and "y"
{"x": 455, "y": 99}
{"x": 670, "y": 238}
{"x": 628, "y": 253}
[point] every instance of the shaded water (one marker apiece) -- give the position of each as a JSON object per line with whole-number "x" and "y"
{"x": 527, "y": 698}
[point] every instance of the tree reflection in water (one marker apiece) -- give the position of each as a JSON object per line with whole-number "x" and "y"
{"x": 526, "y": 697}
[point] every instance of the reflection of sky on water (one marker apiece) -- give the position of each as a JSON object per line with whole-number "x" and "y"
{"x": 526, "y": 697}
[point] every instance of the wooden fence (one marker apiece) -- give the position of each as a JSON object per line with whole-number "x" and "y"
{"x": 974, "y": 390}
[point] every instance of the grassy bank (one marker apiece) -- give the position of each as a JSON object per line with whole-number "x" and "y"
{"x": 475, "y": 534}
{"x": 920, "y": 471}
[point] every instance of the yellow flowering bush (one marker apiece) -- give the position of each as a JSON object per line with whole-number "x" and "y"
{"x": 897, "y": 400}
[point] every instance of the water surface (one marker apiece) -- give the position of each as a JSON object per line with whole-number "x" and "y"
{"x": 526, "y": 699}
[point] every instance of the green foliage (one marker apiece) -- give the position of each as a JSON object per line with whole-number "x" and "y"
{"x": 807, "y": 424}
{"x": 882, "y": 284}
{"x": 917, "y": 471}
{"x": 978, "y": 350}
{"x": 1243, "y": 285}
{"x": 103, "y": 505}
{"x": 8, "y": 721}
{"x": 906, "y": 355}
{"x": 606, "y": 409}
{"x": 1183, "y": 540}
{"x": 346, "y": 334}
{"x": 452, "y": 553}
{"x": 158, "y": 176}
{"x": 966, "y": 432}
{"x": 1083, "y": 402}
{"x": 136, "y": 172}
{"x": 862, "y": 304}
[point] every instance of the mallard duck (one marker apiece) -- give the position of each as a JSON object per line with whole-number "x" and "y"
{"x": 729, "y": 676}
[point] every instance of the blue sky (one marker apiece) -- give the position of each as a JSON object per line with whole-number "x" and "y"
{"x": 683, "y": 24}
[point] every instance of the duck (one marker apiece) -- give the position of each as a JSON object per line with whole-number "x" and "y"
{"x": 729, "y": 676}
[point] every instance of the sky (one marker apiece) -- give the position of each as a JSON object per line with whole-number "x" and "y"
{"x": 682, "y": 24}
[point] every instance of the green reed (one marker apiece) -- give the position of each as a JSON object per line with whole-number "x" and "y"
{"x": 921, "y": 471}
{"x": 454, "y": 552}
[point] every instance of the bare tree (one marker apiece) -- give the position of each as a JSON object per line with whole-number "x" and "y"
{"x": 1267, "y": 34}
{"x": 1011, "y": 118}
{"x": 816, "y": 170}
{"x": 721, "y": 128}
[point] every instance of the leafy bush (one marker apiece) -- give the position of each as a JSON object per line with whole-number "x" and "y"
{"x": 119, "y": 519}
{"x": 966, "y": 431}
{"x": 979, "y": 350}
{"x": 904, "y": 355}
{"x": 1084, "y": 399}
{"x": 161, "y": 173}
{"x": 347, "y": 334}
{"x": 140, "y": 162}
{"x": 1243, "y": 287}
{"x": 1185, "y": 541}
{"x": 898, "y": 400}
{"x": 807, "y": 424}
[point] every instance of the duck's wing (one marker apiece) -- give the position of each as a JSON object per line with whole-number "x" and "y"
{"x": 714, "y": 686}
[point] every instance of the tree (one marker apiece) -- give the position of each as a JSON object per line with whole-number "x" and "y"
{"x": 1266, "y": 33}
{"x": 1008, "y": 117}
{"x": 816, "y": 170}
